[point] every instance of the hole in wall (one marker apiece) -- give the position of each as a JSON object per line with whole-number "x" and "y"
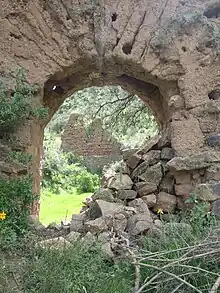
{"x": 114, "y": 17}
{"x": 212, "y": 12}
{"x": 214, "y": 94}
{"x": 13, "y": 35}
{"x": 184, "y": 49}
{"x": 127, "y": 48}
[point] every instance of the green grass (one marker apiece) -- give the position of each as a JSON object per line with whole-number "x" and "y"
{"x": 78, "y": 269}
{"x": 57, "y": 207}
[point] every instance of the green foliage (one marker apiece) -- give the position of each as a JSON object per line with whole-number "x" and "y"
{"x": 81, "y": 268}
{"x": 63, "y": 171}
{"x": 15, "y": 199}
{"x": 16, "y": 106}
{"x": 125, "y": 116}
{"x": 19, "y": 157}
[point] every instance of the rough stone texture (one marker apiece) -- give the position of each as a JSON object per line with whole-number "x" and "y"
{"x": 127, "y": 153}
{"x": 126, "y": 194}
{"x": 76, "y": 222}
{"x": 214, "y": 140}
{"x": 153, "y": 174}
{"x": 119, "y": 182}
{"x": 119, "y": 223}
{"x": 166, "y": 202}
{"x": 207, "y": 192}
{"x": 96, "y": 226}
{"x": 213, "y": 173}
{"x": 216, "y": 208}
{"x": 167, "y": 154}
{"x": 133, "y": 161}
{"x": 193, "y": 162}
{"x": 97, "y": 146}
{"x": 104, "y": 194}
{"x": 167, "y": 185}
{"x": 150, "y": 200}
{"x": 67, "y": 47}
{"x": 150, "y": 158}
{"x": 139, "y": 205}
{"x": 183, "y": 189}
{"x": 187, "y": 137}
{"x": 107, "y": 208}
{"x": 72, "y": 237}
{"x": 139, "y": 223}
{"x": 144, "y": 188}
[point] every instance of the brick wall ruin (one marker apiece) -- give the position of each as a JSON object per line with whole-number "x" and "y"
{"x": 95, "y": 144}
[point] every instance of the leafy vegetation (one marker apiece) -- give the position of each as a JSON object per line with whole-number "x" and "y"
{"x": 15, "y": 106}
{"x": 15, "y": 199}
{"x": 125, "y": 116}
{"x": 64, "y": 171}
{"x": 16, "y": 194}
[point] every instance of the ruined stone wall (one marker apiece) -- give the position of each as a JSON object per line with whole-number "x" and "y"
{"x": 92, "y": 141}
{"x": 94, "y": 144}
{"x": 166, "y": 52}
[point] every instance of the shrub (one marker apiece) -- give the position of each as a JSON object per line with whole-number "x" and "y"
{"x": 15, "y": 106}
{"x": 64, "y": 171}
{"x": 15, "y": 199}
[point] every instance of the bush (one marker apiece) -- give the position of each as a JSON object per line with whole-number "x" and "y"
{"x": 16, "y": 106}
{"x": 15, "y": 199}
{"x": 63, "y": 171}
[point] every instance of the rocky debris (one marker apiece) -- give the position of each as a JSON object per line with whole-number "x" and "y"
{"x": 76, "y": 222}
{"x": 133, "y": 161}
{"x": 126, "y": 154}
{"x": 96, "y": 226}
{"x": 166, "y": 202}
{"x": 214, "y": 140}
{"x": 207, "y": 192}
{"x": 213, "y": 173}
{"x": 104, "y": 194}
{"x": 139, "y": 223}
{"x": 182, "y": 189}
{"x": 128, "y": 206}
{"x": 144, "y": 188}
{"x": 216, "y": 208}
{"x": 150, "y": 144}
{"x": 150, "y": 200}
{"x": 119, "y": 182}
{"x": 153, "y": 174}
{"x": 73, "y": 237}
{"x": 194, "y": 162}
{"x": 127, "y": 194}
{"x": 54, "y": 243}
{"x": 167, "y": 154}
{"x": 139, "y": 205}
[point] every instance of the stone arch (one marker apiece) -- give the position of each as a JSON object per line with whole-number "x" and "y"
{"x": 164, "y": 51}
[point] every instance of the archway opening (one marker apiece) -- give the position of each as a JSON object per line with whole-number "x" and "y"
{"x": 84, "y": 138}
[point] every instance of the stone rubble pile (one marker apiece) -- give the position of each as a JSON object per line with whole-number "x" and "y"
{"x": 150, "y": 180}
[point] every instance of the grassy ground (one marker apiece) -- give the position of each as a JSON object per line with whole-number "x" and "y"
{"x": 57, "y": 207}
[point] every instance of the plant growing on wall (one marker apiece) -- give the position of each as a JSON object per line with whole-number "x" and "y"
{"x": 16, "y": 105}
{"x": 16, "y": 196}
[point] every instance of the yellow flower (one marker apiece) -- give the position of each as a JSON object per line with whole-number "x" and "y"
{"x": 160, "y": 211}
{"x": 2, "y": 216}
